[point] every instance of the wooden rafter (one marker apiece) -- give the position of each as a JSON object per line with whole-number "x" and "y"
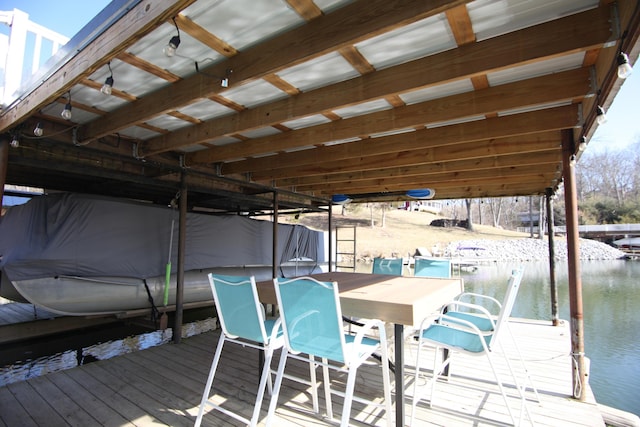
{"x": 348, "y": 26}
{"x": 546, "y": 89}
{"x": 490, "y": 55}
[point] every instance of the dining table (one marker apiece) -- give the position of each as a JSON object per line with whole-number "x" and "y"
{"x": 398, "y": 300}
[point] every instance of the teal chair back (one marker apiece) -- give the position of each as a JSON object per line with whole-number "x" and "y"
{"x": 238, "y": 307}
{"x": 311, "y": 317}
{"x": 432, "y": 267}
{"x": 390, "y": 266}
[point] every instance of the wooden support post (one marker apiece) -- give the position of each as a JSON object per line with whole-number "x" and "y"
{"x": 573, "y": 255}
{"x": 329, "y": 267}
{"x": 552, "y": 259}
{"x": 275, "y": 260}
{"x": 182, "y": 239}
{"x": 4, "y": 164}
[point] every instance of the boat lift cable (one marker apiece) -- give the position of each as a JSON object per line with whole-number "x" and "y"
{"x": 167, "y": 280}
{"x": 155, "y": 314}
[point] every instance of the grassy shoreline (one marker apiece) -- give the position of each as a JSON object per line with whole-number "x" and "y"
{"x": 403, "y": 231}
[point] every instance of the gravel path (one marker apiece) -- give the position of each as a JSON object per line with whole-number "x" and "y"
{"x": 529, "y": 249}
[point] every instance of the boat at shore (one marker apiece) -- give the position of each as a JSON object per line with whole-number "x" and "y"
{"x": 80, "y": 255}
{"x": 628, "y": 244}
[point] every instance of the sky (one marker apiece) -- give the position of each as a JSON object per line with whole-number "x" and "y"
{"x": 67, "y": 17}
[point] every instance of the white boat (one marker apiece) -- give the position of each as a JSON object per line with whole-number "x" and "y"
{"x": 83, "y": 255}
{"x": 628, "y": 244}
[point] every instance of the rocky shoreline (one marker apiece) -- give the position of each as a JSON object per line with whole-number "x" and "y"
{"x": 528, "y": 249}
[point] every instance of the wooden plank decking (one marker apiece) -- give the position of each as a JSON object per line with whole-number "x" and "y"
{"x": 16, "y": 312}
{"x": 163, "y": 386}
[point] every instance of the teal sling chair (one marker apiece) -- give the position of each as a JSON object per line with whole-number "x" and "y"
{"x": 432, "y": 267}
{"x": 474, "y": 332}
{"x": 243, "y": 322}
{"x": 390, "y": 266}
{"x": 312, "y": 325}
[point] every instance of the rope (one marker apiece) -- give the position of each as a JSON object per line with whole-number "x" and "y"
{"x": 577, "y": 388}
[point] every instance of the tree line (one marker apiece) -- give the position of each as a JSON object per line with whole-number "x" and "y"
{"x": 608, "y": 184}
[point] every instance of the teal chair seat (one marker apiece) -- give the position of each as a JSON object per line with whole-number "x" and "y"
{"x": 367, "y": 346}
{"x": 460, "y": 339}
{"x": 483, "y": 323}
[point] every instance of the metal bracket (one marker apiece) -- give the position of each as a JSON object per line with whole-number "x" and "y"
{"x": 580, "y": 114}
{"x": 593, "y": 80}
{"x": 74, "y": 136}
{"x": 135, "y": 151}
{"x": 616, "y": 30}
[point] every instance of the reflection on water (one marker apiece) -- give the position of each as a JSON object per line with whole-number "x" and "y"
{"x": 23, "y": 370}
{"x": 611, "y": 297}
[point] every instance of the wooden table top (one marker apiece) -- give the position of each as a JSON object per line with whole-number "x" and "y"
{"x": 395, "y": 299}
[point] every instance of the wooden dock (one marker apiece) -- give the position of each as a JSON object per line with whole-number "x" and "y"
{"x": 17, "y": 312}
{"x": 163, "y": 386}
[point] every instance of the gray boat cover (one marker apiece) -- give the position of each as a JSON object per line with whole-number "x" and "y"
{"x": 92, "y": 236}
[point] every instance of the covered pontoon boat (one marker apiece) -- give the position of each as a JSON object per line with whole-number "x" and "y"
{"x": 76, "y": 254}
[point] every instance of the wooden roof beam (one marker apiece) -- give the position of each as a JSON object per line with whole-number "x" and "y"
{"x": 564, "y": 86}
{"x": 473, "y": 151}
{"x": 499, "y": 161}
{"x": 348, "y": 25}
{"x": 403, "y": 184}
{"x": 399, "y": 146}
{"x": 466, "y": 62}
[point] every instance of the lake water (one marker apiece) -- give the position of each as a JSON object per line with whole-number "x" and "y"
{"x": 611, "y": 306}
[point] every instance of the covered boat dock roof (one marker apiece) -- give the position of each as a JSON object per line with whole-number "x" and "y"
{"x": 314, "y": 98}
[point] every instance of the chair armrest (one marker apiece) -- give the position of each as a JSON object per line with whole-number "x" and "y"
{"x": 368, "y": 326}
{"x": 459, "y": 325}
{"x": 451, "y": 323}
{"x": 274, "y": 332}
{"x": 479, "y": 296}
{"x": 430, "y": 319}
{"x": 453, "y": 306}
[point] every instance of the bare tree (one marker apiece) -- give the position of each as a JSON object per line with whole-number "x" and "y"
{"x": 384, "y": 215}
{"x": 608, "y": 174}
{"x": 495, "y": 207}
{"x": 469, "y": 203}
{"x": 541, "y": 217}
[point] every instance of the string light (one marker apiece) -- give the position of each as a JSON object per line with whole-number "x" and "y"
{"x": 601, "y": 117}
{"x": 624, "y": 68}
{"x": 108, "y": 83}
{"x": 38, "y": 131}
{"x": 66, "y": 113}
{"x": 170, "y": 48}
